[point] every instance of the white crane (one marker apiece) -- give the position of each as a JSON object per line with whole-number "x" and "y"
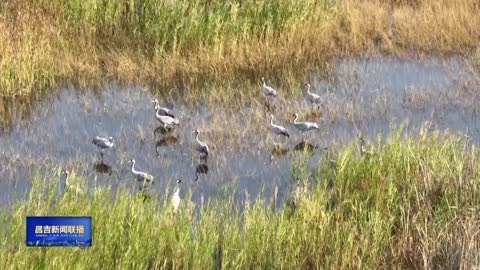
{"x": 268, "y": 91}
{"x": 304, "y": 126}
{"x": 69, "y": 186}
{"x": 176, "y": 197}
{"x": 165, "y": 120}
{"x": 103, "y": 143}
{"x": 161, "y": 110}
{"x": 277, "y": 129}
{"x": 140, "y": 176}
{"x": 312, "y": 97}
{"x": 201, "y": 146}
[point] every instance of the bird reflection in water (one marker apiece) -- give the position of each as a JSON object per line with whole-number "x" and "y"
{"x": 200, "y": 169}
{"x": 278, "y": 151}
{"x": 103, "y": 167}
{"x": 165, "y": 141}
{"x": 162, "y": 130}
{"x": 305, "y": 146}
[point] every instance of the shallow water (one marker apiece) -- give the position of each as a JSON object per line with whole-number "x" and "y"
{"x": 364, "y": 96}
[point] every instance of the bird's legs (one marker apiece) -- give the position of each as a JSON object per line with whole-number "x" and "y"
{"x": 304, "y": 137}
{"x": 203, "y": 157}
{"x": 269, "y": 105}
{"x": 101, "y": 153}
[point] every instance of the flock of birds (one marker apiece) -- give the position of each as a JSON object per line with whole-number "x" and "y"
{"x": 168, "y": 121}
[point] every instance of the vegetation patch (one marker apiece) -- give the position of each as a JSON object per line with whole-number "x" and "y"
{"x": 409, "y": 202}
{"x": 193, "y": 43}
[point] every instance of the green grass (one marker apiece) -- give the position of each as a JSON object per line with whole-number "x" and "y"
{"x": 187, "y": 44}
{"x": 177, "y": 26}
{"x": 412, "y": 204}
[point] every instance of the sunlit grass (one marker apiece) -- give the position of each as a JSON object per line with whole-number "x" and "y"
{"x": 413, "y": 204}
{"x": 193, "y": 43}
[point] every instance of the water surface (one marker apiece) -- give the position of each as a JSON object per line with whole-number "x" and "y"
{"x": 367, "y": 96}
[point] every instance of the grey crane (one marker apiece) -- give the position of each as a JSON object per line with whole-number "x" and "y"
{"x": 312, "y": 97}
{"x": 304, "y": 126}
{"x": 268, "y": 91}
{"x": 362, "y": 148}
{"x": 70, "y": 187}
{"x": 176, "y": 197}
{"x": 140, "y": 176}
{"x": 103, "y": 143}
{"x": 200, "y": 146}
{"x": 162, "y": 110}
{"x": 333, "y": 165}
{"x": 277, "y": 129}
{"x": 165, "y": 120}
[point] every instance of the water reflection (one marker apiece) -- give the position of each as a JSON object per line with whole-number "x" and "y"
{"x": 165, "y": 141}
{"x": 162, "y": 130}
{"x": 382, "y": 95}
{"x": 278, "y": 151}
{"x": 200, "y": 169}
{"x": 302, "y": 146}
{"x": 102, "y": 167}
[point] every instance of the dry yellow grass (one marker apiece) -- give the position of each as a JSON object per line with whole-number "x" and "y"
{"x": 39, "y": 50}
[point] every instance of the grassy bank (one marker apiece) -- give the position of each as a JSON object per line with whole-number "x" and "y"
{"x": 187, "y": 43}
{"x": 413, "y": 204}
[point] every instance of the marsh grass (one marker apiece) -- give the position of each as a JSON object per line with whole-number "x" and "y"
{"x": 193, "y": 43}
{"x": 413, "y": 204}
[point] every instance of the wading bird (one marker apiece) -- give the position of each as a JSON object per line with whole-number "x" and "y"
{"x": 362, "y": 148}
{"x": 140, "y": 176}
{"x": 304, "y": 126}
{"x": 267, "y": 90}
{"x": 166, "y": 121}
{"x": 201, "y": 147}
{"x": 333, "y": 165}
{"x": 176, "y": 197}
{"x": 103, "y": 143}
{"x": 69, "y": 186}
{"x": 312, "y": 97}
{"x": 161, "y": 110}
{"x": 277, "y": 129}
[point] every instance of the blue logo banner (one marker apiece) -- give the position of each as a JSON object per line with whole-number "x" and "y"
{"x": 59, "y": 231}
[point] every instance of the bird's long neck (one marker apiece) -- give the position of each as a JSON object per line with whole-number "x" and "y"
{"x": 196, "y": 137}
{"x": 271, "y": 120}
{"x": 133, "y": 168}
{"x": 67, "y": 183}
{"x": 295, "y": 119}
{"x": 308, "y": 89}
{"x": 264, "y": 83}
